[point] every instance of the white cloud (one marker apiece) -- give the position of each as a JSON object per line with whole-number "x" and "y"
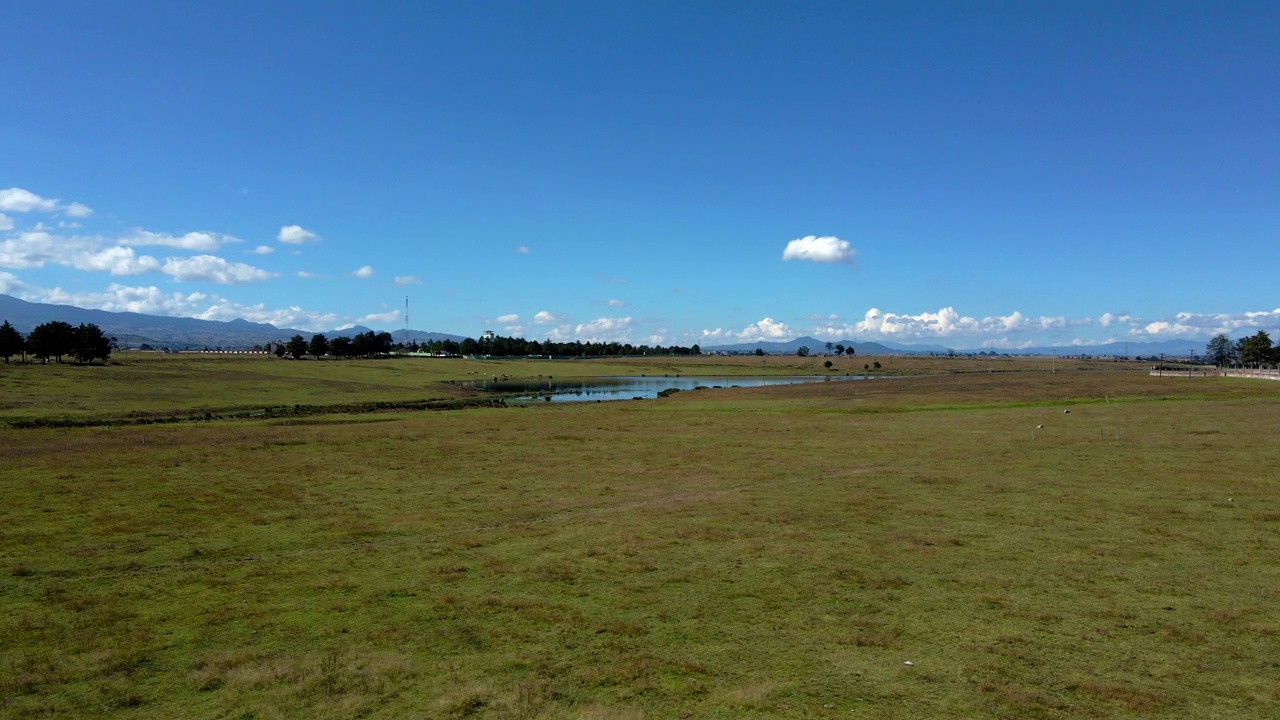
{"x": 19, "y": 200}
{"x": 766, "y": 330}
{"x": 514, "y": 330}
{"x": 263, "y": 250}
{"x": 117, "y": 261}
{"x": 209, "y": 268}
{"x": 604, "y": 330}
{"x": 5, "y": 222}
{"x": 407, "y": 280}
{"x": 154, "y": 301}
{"x": 296, "y": 235}
{"x": 35, "y": 248}
{"x": 1204, "y": 325}
{"x": 10, "y": 284}
{"x": 546, "y": 318}
{"x": 78, "y": 210}
{"x": 512, "y": 318}
{"x": 364, "y": 272}
{"x": 616, "y": 303}
{"x": 827, "y": 249}
{"x": 522, "y": 250}
{"x": 1106, "y": 319}
{"x": 305, "y": 274}
{"x": 194, "y": 241}
{"x": 381, "y": 318}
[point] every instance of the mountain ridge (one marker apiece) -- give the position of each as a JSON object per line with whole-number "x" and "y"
{"x": 179, "y": 332}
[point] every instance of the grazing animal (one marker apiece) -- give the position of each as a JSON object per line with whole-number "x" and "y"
{"x": 1040, "y": 427}
{"x": 1066, "y": 412}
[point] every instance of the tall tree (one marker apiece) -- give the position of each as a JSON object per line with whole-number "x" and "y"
{"x": 11, "y": 341}
{"x": 90, "y": 344}
{"x": 1254, "y": 349}
{"x": 1219, "y": 351}
{"x": 341, "y": 346}
{"x": 51, "y": 340}
{"x": 318, "y": 346}
{"x": 296, "y": 347}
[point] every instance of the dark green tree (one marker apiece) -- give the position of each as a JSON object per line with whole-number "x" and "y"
{"x": 830, "y": 347}
{"x": 341, "y": 347}
{"x": 11, "y": 341}
{"x": 827, "y": 364}
{"x": 296, "y": 347}
{"x": 90, "y": 344}
{"x": 1254, "y": 349}
{"x": 850, "y": 351}
{"x": 51, "y": 340}
{"x": 803, "y": 351}
{"x": 839, "y": 348}
{"x": 318, "y": 346}
{"x": 1219, "y": 351}
{"x": 759, "y": 352}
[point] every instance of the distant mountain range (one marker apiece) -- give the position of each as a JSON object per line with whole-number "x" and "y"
{"x": 134, "y": 329}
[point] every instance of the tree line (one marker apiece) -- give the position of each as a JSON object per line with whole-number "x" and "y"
{"x": 1251, "y": 350}
{"x": 55, "y": 340}
{"x": 499, "y": 346}
{"x": 365, "y": 344}
{"x": 369, "y": 344}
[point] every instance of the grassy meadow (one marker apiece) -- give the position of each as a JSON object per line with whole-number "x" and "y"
{"x": 778, "y": 552}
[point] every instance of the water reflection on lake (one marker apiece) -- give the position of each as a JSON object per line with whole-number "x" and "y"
{"x": 627, "y": 388}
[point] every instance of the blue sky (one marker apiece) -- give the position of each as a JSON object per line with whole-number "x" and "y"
{"x": 963, "y": 174}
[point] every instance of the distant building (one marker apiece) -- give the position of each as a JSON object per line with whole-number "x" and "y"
{"x": 486, "y": 335}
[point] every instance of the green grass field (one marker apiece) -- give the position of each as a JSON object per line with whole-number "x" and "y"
{"x": 774, "y": 552}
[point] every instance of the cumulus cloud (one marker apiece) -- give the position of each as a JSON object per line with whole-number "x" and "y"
{"x": 616, "y": 303}
{"x": 209, "y": 268}
{"x": 154, "y": 301}
{"x": 598, "y": 330}
{"x": 512, "y": 318}
{"x": 604, "y": 330}
{"x": 296, "y": 235}
{"x": 546, "y": 318}
{"x": 828, "y": 249}
{"x": 263, "y": 250}
{"x": 522, "y": 250}
{"x": 1204, "y": 325}
{"x": 766, "y": 330}
{"x": 117, "y": 261}
{"x": 19, "y": 200}
{"x": 380, "y": 318}
{"x": 305, "y": 274}
{"x": 5, "y": 222}
{"x": 10, "y": 284}
{"x": 35, "y": 248}
{"x": 364, "y": 272}
{"x": 194, "y": 241}
{"x": 407, "y": 280}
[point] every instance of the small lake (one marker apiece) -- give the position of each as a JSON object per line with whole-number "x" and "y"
{"x": 631, "y": 387}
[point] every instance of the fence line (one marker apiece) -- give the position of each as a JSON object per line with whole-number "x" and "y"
{"x": 1259, "y": 374}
